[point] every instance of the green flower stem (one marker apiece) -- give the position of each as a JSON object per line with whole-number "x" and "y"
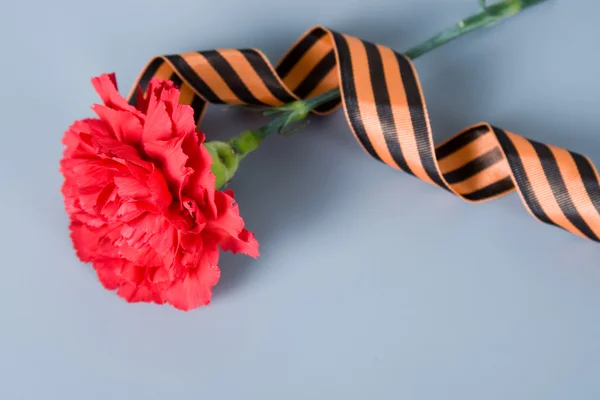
{"x": 228, "y": 155}
{"x": 488, "y": 16}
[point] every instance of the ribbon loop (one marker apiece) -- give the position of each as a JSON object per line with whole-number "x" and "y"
{"x": 385, "y": 107}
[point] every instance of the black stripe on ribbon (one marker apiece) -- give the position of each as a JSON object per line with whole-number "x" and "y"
{"x": 589, "y": 178}
{"x": 559, "y": 189}
{"x": 316, "y": 75}
{"x": 384, "y": 108}
{"x": 266, "y": 74}
{"x": 460, "y": 141}
{"x": 330, "y": 105}
{"x": 193, "y": 79}
{"x": 231, "y": 77}
{"x": 419, "y": 121}
{"x": 198, "y": 105}
{"x": 349, "y": 93}
{"x": 292, "y": 58}
{"x": 474, "y": 166}
{"x": 176, "y": 79}
{"x": 516, "y": 165}
{"x": 495, "y": 189}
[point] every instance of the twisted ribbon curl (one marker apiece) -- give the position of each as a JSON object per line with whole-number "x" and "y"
{"x": 384, "y": 104}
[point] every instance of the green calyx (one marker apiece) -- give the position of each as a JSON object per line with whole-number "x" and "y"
{"x": 228, "y": 155}
{"x": 225, "y": 161}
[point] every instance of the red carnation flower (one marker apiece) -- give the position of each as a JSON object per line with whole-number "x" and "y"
{"x": 141, "y": 197}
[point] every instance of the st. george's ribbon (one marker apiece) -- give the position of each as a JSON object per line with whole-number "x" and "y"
{"x": 384, "y": 104}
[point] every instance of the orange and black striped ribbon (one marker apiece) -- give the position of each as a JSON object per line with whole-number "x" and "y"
{"x": 384, "y": 105}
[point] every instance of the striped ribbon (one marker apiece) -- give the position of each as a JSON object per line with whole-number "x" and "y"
{"x": 384, "y": 104}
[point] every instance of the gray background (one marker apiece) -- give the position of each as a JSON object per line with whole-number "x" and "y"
{"x": 371, "y": 283}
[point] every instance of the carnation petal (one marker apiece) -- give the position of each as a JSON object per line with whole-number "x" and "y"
{"x": 130, "y": 188}
{"x": 130, "y": 210}
{"x": 183, "y": 120}
{"x": 228, "y": 219}
{"x": 109, "y": 273}
{"x": 228, "y": 227}
{"x": 91, "y": 172}
{"x": 169, "y": 95}
{"x": 89, "y": 199}
{"x": 91, "y": 126}
{"x": 125, "y": 126}
{"x": 159, "y": 190}
{"x": 195, "y": 290}
{"x": 244, "y": 243}
{"x": 135, "y": 294}
{"x": 158, "y": 125}
{"x": 201, "y": 184}
{"x": 139, "y": 253}
{"x": 170, "y": 156}
{"x": 75, "y": 145}
{"x": 106, "y": 87}
{"x": 119, "y": 151}
{"x": 87, "y": 240}
{"x": 157, "y": 86}
{"x": 160, "y": 276}
{"x": 133, "y": 273}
